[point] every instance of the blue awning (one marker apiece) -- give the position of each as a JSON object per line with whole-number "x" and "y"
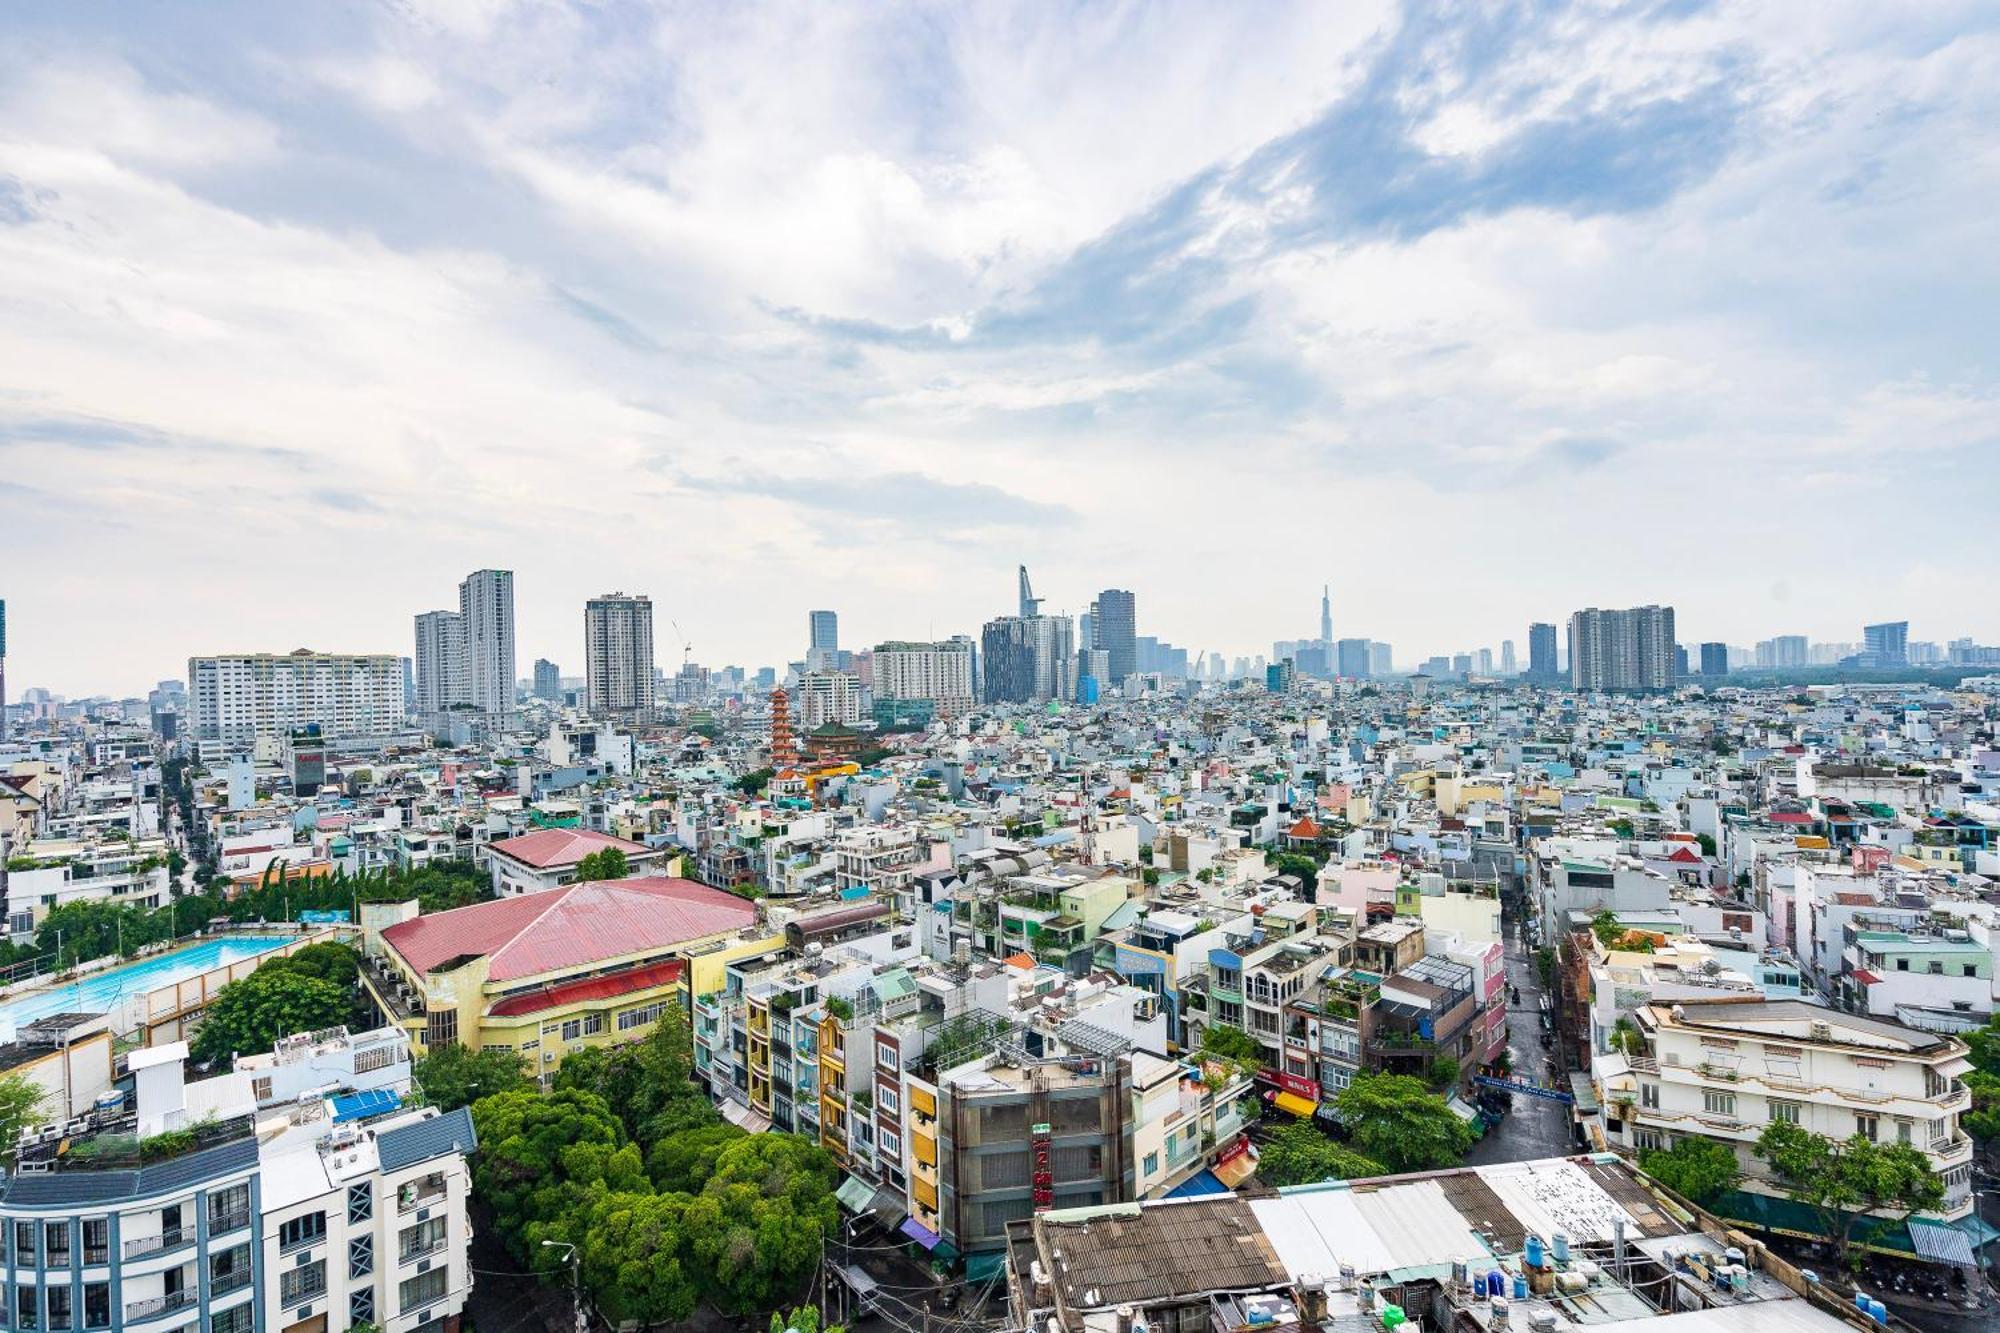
{"x": 364, "y": 1105}
{"x": 1941, "y": 1244}
{"x": 919, "y": 1233}
{"x": 1200, "y": 1183}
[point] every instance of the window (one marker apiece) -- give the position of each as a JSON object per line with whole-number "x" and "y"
{"x": 1868, "y": 1127}
{"x": 421, "y": 1239}
{"x": 1152, "y": 1164}
{"x": 1649, "y": 1096}
{"x": 229, "y": 1270}
{"x": 1648, "y": 1139}
{"x": 593, "y": 1024}
{"x": 1902, "y": 1131}
{"x": 27, "y": 1304}
{"x": 638, "y": 1018}
{"x": 1783, "y": 1110}
{"x": 24, "y": 1244}
{"x": 1719, "y": 1103}
{"x": 96, "y": 1240}
{"x": 892, "y": 1102}
{"x": 59, "y": 1306}
{"x": 422, "y": 1289}
{"x": 1969, "y": 970}
{"x": 1902, "y": 964}
{"x": 302, "y": 1284}
{"x": 360, "y": 1256}
{"x": 301, "y": 1231}
{"x": 886, "y": 1056}
{"x": 441, "y": 1028}
{"x": 360, "y": 1202}
{"x": 572, "y": 1028}
{"x": 892, "y": 1143}
{"x": 237, "y": 1320}
{"x": 361, "y": 1306}
{"x": 57, "y": 1235}
{"x": 260, "y": 1087}
{"x": 1937, "y": 967}
{"x": 97, "y": 1305}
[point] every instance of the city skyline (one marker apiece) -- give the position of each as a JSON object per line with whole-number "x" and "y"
{"x": 859, "y": 308}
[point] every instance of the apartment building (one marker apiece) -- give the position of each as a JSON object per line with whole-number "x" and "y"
{"x": 240, "y": 698}
{"x": 940, "y": 673}
{"x": 618, "y": 653}
{"x": 1724, "y": 1068}
{"x": 314, "y": 1216}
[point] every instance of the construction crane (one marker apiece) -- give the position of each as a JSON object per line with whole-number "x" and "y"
{"x": 687, "y": 649}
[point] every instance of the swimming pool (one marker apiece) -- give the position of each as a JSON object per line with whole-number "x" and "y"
{"x": 103, "y": 991}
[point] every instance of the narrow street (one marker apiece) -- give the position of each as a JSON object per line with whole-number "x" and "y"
{"x": 1534, "y": 1128}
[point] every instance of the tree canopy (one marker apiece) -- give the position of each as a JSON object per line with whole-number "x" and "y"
{"x": 248, "y": 1016}
{"x": 604, "y": 863}
{"x": 1696, "y": 1168}
{"x": 453, "y": 1076}
{"x": 1842, "y": 1179}
{"x": 1299, "y": 1154}
{"x": 21, "y": 1100}
{"x": 1399, "y": 1122}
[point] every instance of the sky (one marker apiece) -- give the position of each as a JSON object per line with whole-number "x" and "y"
{"x": 1478, "y": 313}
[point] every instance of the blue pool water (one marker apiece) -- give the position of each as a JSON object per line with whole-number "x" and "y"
{"x": 103, "y": 991}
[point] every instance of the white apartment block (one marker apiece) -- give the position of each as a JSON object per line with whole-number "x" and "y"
{"x": 618, "y": 653}
{"x": 443, "y": 675}
{"x": 238, "y": 698}
{"x": 1725, "y": 1068}
{"x": 827, "y": 696}
{"x": 940, "y": 672}
{"x": 486, "y": 605}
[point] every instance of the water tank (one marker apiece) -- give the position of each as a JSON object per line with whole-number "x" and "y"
{"x": 1878, "y": 1312}
{"x": 1520, "y": 1286}
{"x": 1496, "y": 1283}
{"x": 1499, "y": 1319}
{"x": 1561, "y": 1240}
{"x": 1861, "y": 1301}
{"x": 1536, "y": 1259}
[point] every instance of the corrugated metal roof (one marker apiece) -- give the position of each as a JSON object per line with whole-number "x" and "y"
{"x": 577, "y": 925}
{"x": 1418, "y": 1224}
{"x": 562, "y": 846}
{"x": 1176, "y": 1248}
{"x": 1556, "y": 1196}
{"x": 439, "y": 1136}
{"x": 1317, "y": 1232}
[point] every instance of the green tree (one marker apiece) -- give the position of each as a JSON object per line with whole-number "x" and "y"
{"x": 542, "y": 1157}
{"x": 1396, "y": 1120}
{"x": 686, "y": 1161}
{"x": 754, "y": 782}
{"x": 637, "y": 1257}
{"x": 1221, "y": 1042}
{"x": 20, "y": 1108}
{"x": 249, "y": 1015}
{"x": 325, "y": 961}
{"x": 761, "y": 1222}
{"x": 1299, "y": 1154}
{"x": 1696, "y": 1168}
{"x": 453, "y": 1076}
{"x": 1982, "y": 1120}
{"x": 1707, "y": 842}
{"x": 805, "y": 1319}
{"x": 604, "y": 863}
{"x": 1443, "y": 1074}
{"x": 1842, "y": 1179}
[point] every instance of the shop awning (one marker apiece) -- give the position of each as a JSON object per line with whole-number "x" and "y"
{"x": 1291, "y": 1102}
{"x": 1236, "y": 1170}
{"x": 1941, "y": 1244}
{"x": 919, "y": 1233}
{"x": 984, "y": 1267}
{"x": 1195, "y": 1186}
{"x": 736, "y": 1113}
{"x": 854, "y": 1195}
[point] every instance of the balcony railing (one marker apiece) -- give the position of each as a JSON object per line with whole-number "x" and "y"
{"x": 220, "y": 1223}
{"x": 156, "y": 1306}
{"x": 422, "y": 1198}
{"x": 221, "y": 1284}
{"x": 171, "y": 1239}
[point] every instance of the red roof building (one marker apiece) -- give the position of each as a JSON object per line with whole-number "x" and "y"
{"x": 544, "y": 970}
{"x": 546, "y": 858}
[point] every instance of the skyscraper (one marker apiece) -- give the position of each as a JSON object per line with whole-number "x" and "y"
{"x": 1381, "y": 659}
{"x": 1887, "y": 644}
{"x": 443, "y": 679}
{"x": 548, "y": 679}
{"x": 1325, "y": 613}
{"x": 1028, "y": 659}
{"x": 618, "y": 653}
{"x": 1507, "y": 664}
{"x": 825, "y": 631}
{"x": 1622, "y": 650}
{"x": 486, "y": 601}
{"x": 1714, "y": 659}
{"x": 1116, "y": 632}
{"x": 1031, "y": 605}
{"x": 1353, "y": 659}
{"x": 1542, "y": 651}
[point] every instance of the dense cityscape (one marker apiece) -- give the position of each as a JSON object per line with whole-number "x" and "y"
{"x": 414, "y": 990}
{"x": 1111, "y": 666}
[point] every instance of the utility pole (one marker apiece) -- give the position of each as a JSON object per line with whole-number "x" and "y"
{"x": 575, "y": 1280}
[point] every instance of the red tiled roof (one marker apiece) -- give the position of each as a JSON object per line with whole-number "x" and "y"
{"x": 561, "y": 846}
{"x": 1305, "y": 828}
{"x": 1790, "y": 817}
{"x": 1685, "y": 857}
{"x": 576, "y": 925}
{"x": 590, "y": 988}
